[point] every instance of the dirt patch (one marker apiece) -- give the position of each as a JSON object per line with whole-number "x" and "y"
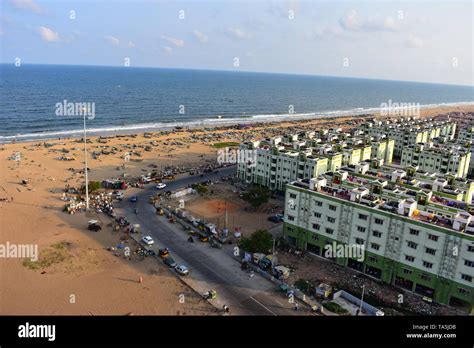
{"x": 214, "y": 207}
{"x": 222, "y": 196}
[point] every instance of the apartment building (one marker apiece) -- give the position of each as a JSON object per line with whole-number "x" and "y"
{"x": 281, "y": 160}
{"x": 440, "y": 158}
{"x": 466, "y": 138}
{"x": 409, "y": 131}
{"x": 415, "y": 233}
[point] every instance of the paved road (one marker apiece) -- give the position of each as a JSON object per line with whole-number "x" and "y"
{"x": 210, "y": 268}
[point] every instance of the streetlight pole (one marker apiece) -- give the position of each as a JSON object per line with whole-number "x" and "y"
{"x": 85, "y": 165}
{"x": 361, "y": 299}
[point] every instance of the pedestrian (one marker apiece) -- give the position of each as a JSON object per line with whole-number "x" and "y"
{"x": 296, "y": 306}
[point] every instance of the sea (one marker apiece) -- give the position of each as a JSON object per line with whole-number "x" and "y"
{"x": 127, "y": 99}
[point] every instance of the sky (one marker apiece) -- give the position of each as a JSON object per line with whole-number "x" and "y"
{"x": 424, "y": 40}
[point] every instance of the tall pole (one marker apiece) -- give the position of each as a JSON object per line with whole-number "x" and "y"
{"x": 85, "y": 165}
{"x": 361, "y": 299}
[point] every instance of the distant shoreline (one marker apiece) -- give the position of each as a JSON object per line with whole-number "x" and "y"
{"x": 209, "y": 123}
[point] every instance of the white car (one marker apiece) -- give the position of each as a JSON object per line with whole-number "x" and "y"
{"x": 160, "y": 186}
{"x": 148, "y": 240}
{"x": 182, "y": 269}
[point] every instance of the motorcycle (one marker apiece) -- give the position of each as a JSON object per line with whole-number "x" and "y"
{"x": 191, "y": 239}
{"x": 136, "y": 211}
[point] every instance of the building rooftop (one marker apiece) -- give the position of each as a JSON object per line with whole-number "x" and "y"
{"x": 396, "y": 199}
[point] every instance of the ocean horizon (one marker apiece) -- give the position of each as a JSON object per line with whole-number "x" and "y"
{"x": 128, "y": 99}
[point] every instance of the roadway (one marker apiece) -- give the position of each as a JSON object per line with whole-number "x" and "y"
{"x": 210, "y": 268}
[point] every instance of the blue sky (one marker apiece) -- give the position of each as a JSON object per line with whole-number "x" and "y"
{"x": 417, "y": 41}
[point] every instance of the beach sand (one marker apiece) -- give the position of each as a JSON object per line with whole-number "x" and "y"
{"x": 101, "y": 283}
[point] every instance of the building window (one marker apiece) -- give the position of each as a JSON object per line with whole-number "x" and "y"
{"x": 318, "y": 203}
{"x": 470, "y": 248}
{"x": 427, "y": 264}
{"x": 375, "y": 246}
{"x": 463, "y": 291}
{"x": 292, "y": 195}
{"x": 331, "y": 219}
{"x": 414, "y": 232}
{"x": 378, "y": 221}
{"x": 359, "y": 241}
{"x": 407, "y": 271}
{"x": 409, "y": 258}
{"x": 316, "y": 227}
{"x": 466, "y": 277}
{"x": 469, "y": 263}
{"x": 377, "y": 234}
{"x": 318, "y": 215}
{"x": 361, "y": 229}
{"x": 289, "y": 229}
{"x": 373, "y": 259}
{"x": 329, "y": 231}
{"x": 332, "y": 207}
{"x": 430, "y": 251}
{"x": 291, "y": 218}
{"x": 412, "y": 245}
{"x": 425, "y": 277}
{"x": 363, "y": 217}
{"x": 314, "y": 237}
{"x": 433, "y": 237}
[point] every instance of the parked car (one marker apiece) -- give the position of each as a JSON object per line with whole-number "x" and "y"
{"x": 160, "y": 186}
{"x": 93, "y": 225}
{"x": 170, "y": 262}
{"x": 134, "y": 199}
{"x": 182, "y": 269}
{"x": 148, "y": 240}
{"x": 276, "y": 218}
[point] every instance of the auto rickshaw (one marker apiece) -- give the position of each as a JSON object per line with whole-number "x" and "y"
{"x": 210, "y": 295}
{"x": 160, "y": 211}
{"x": 203, "y": 238}
{"x": 163, "y": 253}
{"x": 172, "y": 219}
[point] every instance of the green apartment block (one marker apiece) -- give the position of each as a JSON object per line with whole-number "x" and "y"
{"x": 439, "y": 158}
{"x": 413, "y": 237}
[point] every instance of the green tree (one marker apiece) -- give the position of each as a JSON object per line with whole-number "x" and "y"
{"x": 257, "y": 196}
{"x": 201, "y": 189}
{"x": 260, "y": 241}
{"x": 93, "y": 186}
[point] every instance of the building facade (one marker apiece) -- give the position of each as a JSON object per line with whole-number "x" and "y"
{"x": 414, "y": 239}
{"x": 437, "y": 159}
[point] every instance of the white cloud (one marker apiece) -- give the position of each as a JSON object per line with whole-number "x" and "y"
{"x": 352, "y": 21}
{"x": 237, "y": 33}
{"x": 168, "y": 50}
{"x": 112, "y": 40}
{"x": 27, "y": 5}
{"x": 48, "y": 34}
{"x": 131, "y": 44}
{"x": 414, "y": 42}
{"x": 172, "y": 40}
{"x": 203, "y": 38}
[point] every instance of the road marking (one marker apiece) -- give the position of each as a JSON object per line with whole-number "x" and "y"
{"x": 279, "y": 303}
{"x": 261, "y": 304}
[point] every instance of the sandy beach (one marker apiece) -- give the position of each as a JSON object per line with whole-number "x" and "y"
{"x": 101, "y": 283}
